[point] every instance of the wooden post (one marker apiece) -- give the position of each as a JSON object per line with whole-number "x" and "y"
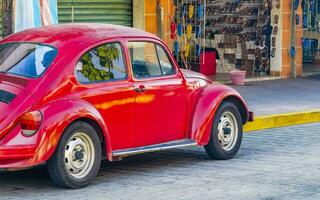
{"x": 293, "y": 40}
{"x": 160, "y": 21}
{"x": 7, "y": 18}
{"x": 138, "y": 14}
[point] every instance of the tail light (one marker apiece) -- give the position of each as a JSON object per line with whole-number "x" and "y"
{"x": 30, "y": 123}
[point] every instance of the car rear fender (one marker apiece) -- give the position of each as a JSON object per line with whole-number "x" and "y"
{"x": 208, "y": 102}
{"x": 57, "y": 116}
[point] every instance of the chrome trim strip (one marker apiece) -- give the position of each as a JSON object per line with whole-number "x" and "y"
{"x": 153, "y": 148}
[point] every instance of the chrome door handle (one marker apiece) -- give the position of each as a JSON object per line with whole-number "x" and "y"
{"x": 140, "y": 89}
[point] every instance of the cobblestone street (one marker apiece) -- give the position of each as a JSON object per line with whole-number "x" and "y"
{"x": 281, "y": 163}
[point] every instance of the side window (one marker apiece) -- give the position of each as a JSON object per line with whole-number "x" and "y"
{"x": 144, "y": 59}
{"x": 103, "y": 63}
{"x": 165, "y": 63}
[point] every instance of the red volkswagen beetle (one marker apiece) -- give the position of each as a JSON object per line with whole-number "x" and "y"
{"x": 72, "y": 95}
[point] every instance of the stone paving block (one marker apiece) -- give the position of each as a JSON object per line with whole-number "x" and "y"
{"x": 274, "y": 164}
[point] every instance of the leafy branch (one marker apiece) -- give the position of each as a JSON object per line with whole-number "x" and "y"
{"x": 106, "y": 54}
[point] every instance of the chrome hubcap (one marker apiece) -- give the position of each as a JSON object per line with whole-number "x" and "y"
{"x": 79, "y": 155}
{"x": 228, "y": 131}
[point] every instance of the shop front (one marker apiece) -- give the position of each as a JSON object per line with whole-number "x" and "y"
{"x": 311, "y": 36}
{"x": 241, "y": 33}
{"x": 238, "y": 31}
{"x": 251, "y": 36}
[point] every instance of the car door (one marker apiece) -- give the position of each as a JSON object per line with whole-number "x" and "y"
{"x": 160, "y": 96}
{"x": 104, "y": 83}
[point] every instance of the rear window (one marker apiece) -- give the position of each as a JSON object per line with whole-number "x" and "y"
{"x": 26, "y": 59}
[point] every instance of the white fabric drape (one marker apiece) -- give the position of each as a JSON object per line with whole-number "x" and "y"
{"x": 34, "y": 13}
{"x": 23, "y": 15}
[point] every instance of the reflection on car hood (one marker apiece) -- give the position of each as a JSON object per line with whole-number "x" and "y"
{"x": 192, "y": 74}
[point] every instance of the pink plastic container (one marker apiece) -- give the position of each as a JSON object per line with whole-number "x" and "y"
{"x": 237, "y": 77}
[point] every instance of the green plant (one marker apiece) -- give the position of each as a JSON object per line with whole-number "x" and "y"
{"x": 107, "y": 54}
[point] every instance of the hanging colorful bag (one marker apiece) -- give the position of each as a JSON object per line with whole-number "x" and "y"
{"x": 189, "y": 32}
{"x": 198, "y": 50}
{"x": 200, "y": 11}
{"x": 187, "y": 50}
{"x": 180, "y": 29}
{"x": 183, "y": 11}
{"x": 296, "y": 4}
{"x": 176, "y": 48}
{"x": 191, "y": 11}
{"x": 173, "y": 28}
{"x": 198, "y": 32}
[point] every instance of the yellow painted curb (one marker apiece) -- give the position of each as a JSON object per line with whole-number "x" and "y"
{"x": 282, "y": 120}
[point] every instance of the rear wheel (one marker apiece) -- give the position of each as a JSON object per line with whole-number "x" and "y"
{"x": 77, "y": 158}
{"x": 226, "y": 135}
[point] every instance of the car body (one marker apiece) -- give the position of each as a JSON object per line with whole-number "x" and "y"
{"x": 133, "y": 110}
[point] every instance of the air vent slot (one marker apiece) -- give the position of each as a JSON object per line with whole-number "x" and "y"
{"x": 15, "y": 80}
{"x": 6, "y": 97}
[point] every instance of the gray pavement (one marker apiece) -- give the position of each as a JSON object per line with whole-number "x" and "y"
{"x": 279, "y": 163}
{"x": 282, "y": 96}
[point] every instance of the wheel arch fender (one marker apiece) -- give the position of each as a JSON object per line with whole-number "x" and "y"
{"x": 212, "y": 96}
{"x": 57, "y": 116}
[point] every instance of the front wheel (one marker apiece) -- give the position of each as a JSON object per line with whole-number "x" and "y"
{"x": 77, "y": 158}
{"x": 226, "y": 134}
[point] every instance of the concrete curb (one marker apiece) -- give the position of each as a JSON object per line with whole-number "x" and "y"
{"x": 253, "y": 79}
{"x": 282, "y": 120}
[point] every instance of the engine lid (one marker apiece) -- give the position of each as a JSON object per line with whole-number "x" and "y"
{"x": 14, "y": 101}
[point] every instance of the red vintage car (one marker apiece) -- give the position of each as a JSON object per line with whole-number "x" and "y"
{"x": 72, "y": 95}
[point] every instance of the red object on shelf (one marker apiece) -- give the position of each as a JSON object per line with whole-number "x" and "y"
{"x": 208, "y": 62}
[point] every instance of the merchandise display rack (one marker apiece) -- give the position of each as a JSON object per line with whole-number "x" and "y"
{"x": 240, "y": 30}
{"x": 311, "y": 28}
{"x": 311, "y": 15}
{"x": 189, "y": 28}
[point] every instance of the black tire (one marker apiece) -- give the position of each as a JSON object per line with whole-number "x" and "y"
{"x": 214, "y": 148}
{"x": 57, "y": 164}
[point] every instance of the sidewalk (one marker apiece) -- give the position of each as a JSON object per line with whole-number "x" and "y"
{"x": 279, "y": 103}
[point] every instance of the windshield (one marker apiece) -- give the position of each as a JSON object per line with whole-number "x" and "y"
{"x": 25, "y": 59}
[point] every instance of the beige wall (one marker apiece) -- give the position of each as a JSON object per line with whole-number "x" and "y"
{"x": 138, "y": 14}
{"x": 286, "y": 33}
{"x": 145, "y": 16}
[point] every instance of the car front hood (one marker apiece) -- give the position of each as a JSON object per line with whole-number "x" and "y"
{"x": 14, "y": 102}
{"x": 192, "y": 74}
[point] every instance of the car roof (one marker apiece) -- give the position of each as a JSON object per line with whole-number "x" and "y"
{"x": 75, "y": 33}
